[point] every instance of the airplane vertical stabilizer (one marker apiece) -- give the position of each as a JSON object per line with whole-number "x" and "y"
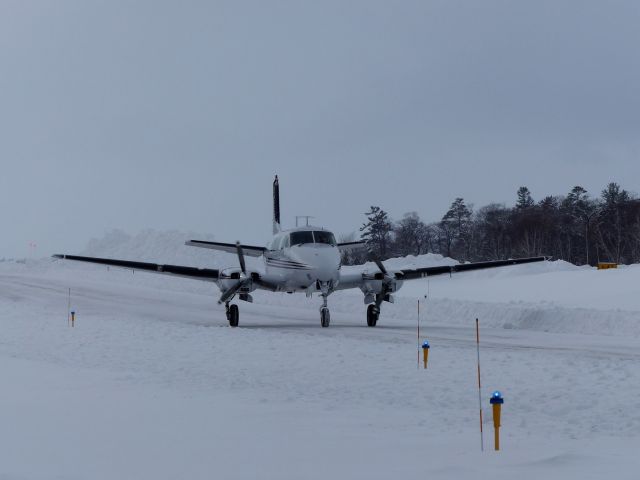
{"x": 276, "y": 206}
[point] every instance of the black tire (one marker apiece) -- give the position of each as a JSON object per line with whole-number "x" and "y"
{"x": 234, "y": 315}
{"x": 325, "y": 317}
{"x": 372, "y": 316}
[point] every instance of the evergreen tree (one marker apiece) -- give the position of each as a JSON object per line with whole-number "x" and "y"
{"x": 612, "y": 195}
{"x": 524, "y": 198}
{"x": 376, "y": 233}
{"x": 612, "y": 234}
{"x": 456, "y": 228}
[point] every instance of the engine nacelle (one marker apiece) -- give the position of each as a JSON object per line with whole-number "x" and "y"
{"x": 229, "y": 277}
{"x": 379, "y": 283}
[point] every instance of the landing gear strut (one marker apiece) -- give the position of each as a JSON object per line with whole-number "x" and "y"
{"x": 325, "y": 316}
{"x": 233, "y": 314}
{"x": 373, "y": 313}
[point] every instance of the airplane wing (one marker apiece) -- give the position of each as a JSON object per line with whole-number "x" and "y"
{"x": 349, "y": 246}
{"x": 206, "y": 274}
{"x": 356, "y": 279}
{"x": 228, "y": 247}
{"x": 410, "y": 274}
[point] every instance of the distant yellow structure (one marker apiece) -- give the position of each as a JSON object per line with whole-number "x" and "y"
{"x": 606, "y": 265}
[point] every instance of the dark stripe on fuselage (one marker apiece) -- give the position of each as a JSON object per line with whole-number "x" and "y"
{"x": 288, "y": 266}
{"x": 287, "y": 262}
{"x": 305, "y": 269}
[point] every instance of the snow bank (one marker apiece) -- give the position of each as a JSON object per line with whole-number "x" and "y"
{"x": 154, "y": 246}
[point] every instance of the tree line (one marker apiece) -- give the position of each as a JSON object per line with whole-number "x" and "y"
{"x": 575, "y": 227}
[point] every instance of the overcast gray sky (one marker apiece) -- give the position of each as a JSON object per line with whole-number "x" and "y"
{"x": 149, "y": 114}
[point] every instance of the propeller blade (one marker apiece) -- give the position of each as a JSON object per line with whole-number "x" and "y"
{"x": 231, "y": 292}
{"x": 241, "y": 258}
{"x": 381, "y": 266}
{"x": 374, "y": 258}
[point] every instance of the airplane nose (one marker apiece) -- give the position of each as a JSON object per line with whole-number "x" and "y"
{"x": 324, "y": 262}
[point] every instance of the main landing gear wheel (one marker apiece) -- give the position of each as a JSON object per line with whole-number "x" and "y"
{"x": 233, "y": 315}
{"x": 372, "y": 316}
{"x": 325, "y": 317}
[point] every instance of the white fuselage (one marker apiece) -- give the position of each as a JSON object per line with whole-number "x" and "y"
{"x": 303, "y": 259}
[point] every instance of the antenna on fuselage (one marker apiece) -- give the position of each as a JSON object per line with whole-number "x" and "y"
{"x": 306, "y": 217}
{"x": 276, "y": 206}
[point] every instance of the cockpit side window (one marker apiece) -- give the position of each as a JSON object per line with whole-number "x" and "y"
{"x": 300, "y": 238}
{"x": 324, "y": 237}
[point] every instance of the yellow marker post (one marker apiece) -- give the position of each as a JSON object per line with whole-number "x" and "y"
{"x": 425, "y": 353}
{"x": 73, "y": 318}
{"x": 496, "y": 402}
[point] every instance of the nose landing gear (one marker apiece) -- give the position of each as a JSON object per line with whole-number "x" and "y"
{"x": 325, "y": 317}
{"x": 325, "y": 288}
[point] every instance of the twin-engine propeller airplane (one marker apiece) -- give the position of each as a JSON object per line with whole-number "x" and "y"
{"x": 303, "y": 259}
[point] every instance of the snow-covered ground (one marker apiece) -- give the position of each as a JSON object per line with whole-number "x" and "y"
{"x": 151, "y": 383}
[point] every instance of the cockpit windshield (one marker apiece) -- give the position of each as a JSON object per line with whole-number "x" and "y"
{"x": 304, "y": 237}
{"x": 324, "y": 237}
{"x": 298, "y": 238}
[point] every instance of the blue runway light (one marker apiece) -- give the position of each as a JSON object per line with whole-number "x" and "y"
{"x": 496, "y": 398}
{"x": 425, "y": 344}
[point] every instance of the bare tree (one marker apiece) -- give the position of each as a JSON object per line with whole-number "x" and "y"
{"x": 412, "y": 236}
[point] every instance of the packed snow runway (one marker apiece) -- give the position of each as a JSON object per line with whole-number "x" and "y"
{"x": 152, "y": 383}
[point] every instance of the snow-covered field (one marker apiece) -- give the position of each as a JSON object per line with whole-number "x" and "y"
{"x": 151, "y": 383}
